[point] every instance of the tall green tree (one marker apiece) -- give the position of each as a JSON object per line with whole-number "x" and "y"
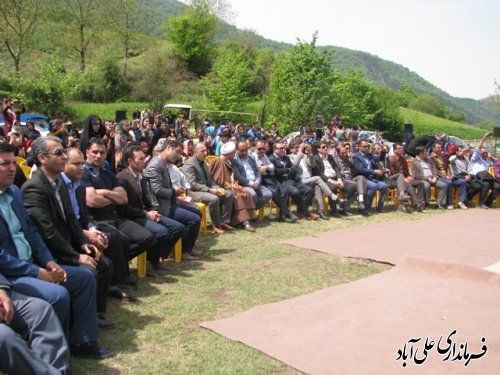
{"x": 191, "y": 34}
{"x": 83, "y": 21}
{"x": 158, "y": 79}
{"x": 300, "y": 85}
{"x": 18, "y": 19}
{"x": 129, "y": 20}
{"x": 362, "y": 103}
{"x": 226, "y": 86}
{"x": 48, "y": 90}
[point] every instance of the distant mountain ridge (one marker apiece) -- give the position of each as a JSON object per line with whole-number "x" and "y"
{"x": 385, "y": 73}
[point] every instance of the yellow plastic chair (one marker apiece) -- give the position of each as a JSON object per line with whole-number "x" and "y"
{"x": 210, "y": 158}
{"x": 26, "y": 171}
{"x": 260, "y": 213}
{"x": 141, "y": 264}
{"x": 178, "y": 251}
{"x": 203, "y": 210}
{"x": 19, "y": 160}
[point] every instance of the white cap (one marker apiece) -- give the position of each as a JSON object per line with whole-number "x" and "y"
{"x": 227, "y": 148}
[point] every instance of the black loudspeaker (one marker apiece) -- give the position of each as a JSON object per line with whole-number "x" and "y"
{"x": 408, "y": 128}
{"x": 120, "y": 115}
{"x": 496, "y": 132}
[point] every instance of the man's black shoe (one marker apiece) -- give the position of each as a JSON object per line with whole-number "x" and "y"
{"x": 130, "y": 280}
{"x": 344, "y": 213}
{"x": 335, "y": 214}
{"x": 290, "y": 218}
{"x": 90, "y": 350}
{"x": 105, "y": 323}
{"x": 323, "y": 216}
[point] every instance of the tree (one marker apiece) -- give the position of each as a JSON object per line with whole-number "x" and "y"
{"x": 300, "y": 85}
{"x": 226, "y": 86}
{"x": 84, "y": 19}
{"x": 429, "y": 104}
{"x": 17, "y": 24}
{"x": 129, "y": 18}
{"x": 191, "y": 34}
{"x": 48, "y": 91}
{"x": 104, "y": 81}
{"x": 160, "y": 79}
{"x": 361, "y": 102}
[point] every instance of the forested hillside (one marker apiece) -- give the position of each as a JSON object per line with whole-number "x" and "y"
{"x": 153, "y": 50}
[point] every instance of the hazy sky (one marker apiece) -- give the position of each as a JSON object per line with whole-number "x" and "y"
{"x": 454, "y": 44}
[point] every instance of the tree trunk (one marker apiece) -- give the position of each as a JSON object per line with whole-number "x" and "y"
{"x": 82, "y": 48}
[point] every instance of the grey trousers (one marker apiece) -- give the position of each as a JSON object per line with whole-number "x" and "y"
{"x": 320, "y": 188}
{"x": 33, "y": 342}
{"x": 219, "y": 207}
{"x": 442, "y": 191}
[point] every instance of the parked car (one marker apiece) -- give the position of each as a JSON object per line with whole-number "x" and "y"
{"x": 41, "y": 122}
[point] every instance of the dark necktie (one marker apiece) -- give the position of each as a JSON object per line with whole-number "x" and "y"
{"x": 202, "y": 166}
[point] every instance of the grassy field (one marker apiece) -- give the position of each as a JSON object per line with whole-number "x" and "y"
{"x": 424, "y": 123}
{"x": 105, "y": 111}
{"x": 160, "y": 335}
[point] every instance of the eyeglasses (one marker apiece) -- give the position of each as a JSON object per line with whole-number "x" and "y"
{"x": 58, "y": 152}
{"x": 322, "y": 146}
{"x": 260, "y": 148}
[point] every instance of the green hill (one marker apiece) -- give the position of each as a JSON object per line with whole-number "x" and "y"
{"x": 382, "y": 72}
{"x": 424, "y": 123}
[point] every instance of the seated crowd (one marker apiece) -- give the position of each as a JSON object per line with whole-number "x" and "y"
{"x": 97, "y": 200}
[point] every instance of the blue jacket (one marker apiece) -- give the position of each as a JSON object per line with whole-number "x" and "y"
{"x": 361, "y": 166}
{"x": 10, "y": 264}
{"x": 240, "y": 174}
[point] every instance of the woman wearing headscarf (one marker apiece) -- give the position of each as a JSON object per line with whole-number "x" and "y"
{"x": 94, "y": 128}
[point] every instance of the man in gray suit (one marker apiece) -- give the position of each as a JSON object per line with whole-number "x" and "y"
{"x": 247, "y": 173}
{"x": 161, "y": 186}
{"x": 31, "y": 338}
{"x": 219, "y": 200}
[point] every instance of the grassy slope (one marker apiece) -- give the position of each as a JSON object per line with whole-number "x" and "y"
{"x": 236, "y": 272}
{"x": 424, "y": 123}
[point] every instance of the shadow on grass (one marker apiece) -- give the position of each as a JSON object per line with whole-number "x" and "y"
{"x": 122, "y": 339}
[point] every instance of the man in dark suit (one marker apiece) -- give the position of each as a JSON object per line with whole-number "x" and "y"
{"x": 247, "y": 173}
{"x": 219, "y": 200}
{"x": 28, "y": 264}
{"x": 161, "y": 186}
{"x": 366, "y": 165}
{"x": 31, "y": 338}
{"x": 139, "y": 207}
{"x": 106, "y": 238}
{"x": 286, "y": 173}
{"x": 279, "y": 194}
{"x": 323, "y": 165}
{"x": 47, "y": 201}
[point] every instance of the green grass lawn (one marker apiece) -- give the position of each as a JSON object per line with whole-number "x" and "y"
{"x": 160, "y": 335}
